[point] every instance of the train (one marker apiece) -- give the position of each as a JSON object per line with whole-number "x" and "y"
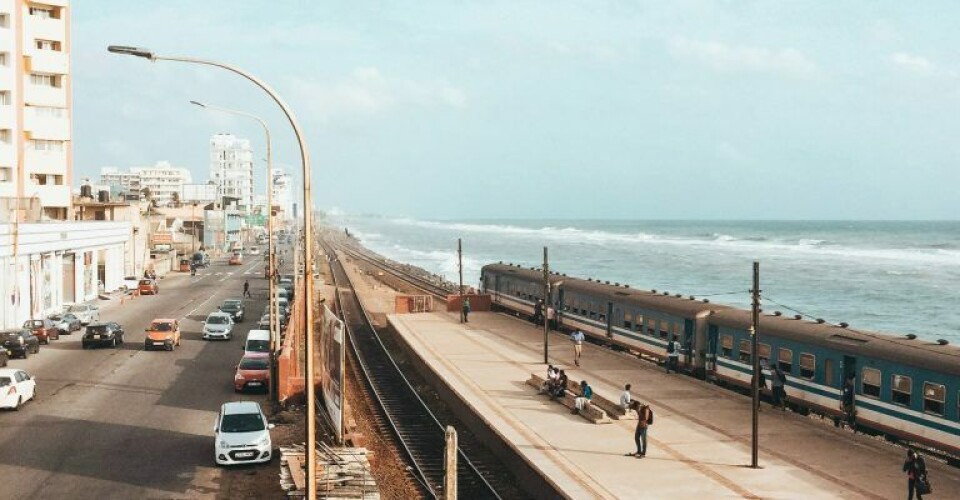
{"x": 906, "y": 389}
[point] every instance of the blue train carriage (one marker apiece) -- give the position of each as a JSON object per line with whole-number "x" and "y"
{"x": 640, "y": 321}
{"x": 906, "y": 389}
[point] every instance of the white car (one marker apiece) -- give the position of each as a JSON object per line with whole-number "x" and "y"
{"x": 218, "y": 325}
{"x": 16, "y": 388}
{"x": 86, "y": 312}
{"x": 254, "y": 250}
{"x": 242, "y": 434}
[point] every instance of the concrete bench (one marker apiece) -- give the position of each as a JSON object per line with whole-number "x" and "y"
{"x": 590, "y": 412}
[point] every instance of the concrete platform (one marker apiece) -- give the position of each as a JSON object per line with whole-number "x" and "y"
{"x": 699, "y": 445}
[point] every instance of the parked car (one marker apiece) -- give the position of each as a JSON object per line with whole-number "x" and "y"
{"x": 242, "y": 434}
{"x": 148, "y": 286}
{"x": 236, "y": 259}
{"x": 102, "y": 334}
{"x": 16, "y": 388}
{"x": 4, "y": 356}
{"x": 87, "y": 313}
{"x": 130, "y": 283}
{"x": 254, "y": 250}
{"x": 162, "y": 333}
{"x": 284, "y": 306}
{"x": 266, "y": 314}
{"x": 257, "y": 344}
{"x": 233, "y": 307}
{"x": 67, "y": 323}
{"x": 44, "y": 329}
{"x": 19, "y": 342}
{"x": 253, "y": 373}
{"x": 218, "y": 325}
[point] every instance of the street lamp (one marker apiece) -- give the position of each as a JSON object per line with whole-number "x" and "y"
{"x": 308, "y": 237}
{"x": 271, "y": 270}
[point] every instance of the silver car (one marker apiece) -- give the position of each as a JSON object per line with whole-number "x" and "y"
{"x": 87, "y": 313}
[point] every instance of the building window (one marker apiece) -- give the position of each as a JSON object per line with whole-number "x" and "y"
{"x": 902, "y": 386}
{"x": 871, "y": 382}
{"x": 5, "y": 99}
{"x": 3, "y": 58}
{"x": 4, "y": 20}
{"x": 726, "y": 346}
{"x": 808, "y": 365}
{"x": 6, "y": 174}
{"x": 44, "y": 12}
{"x": 745, "y": 351}
{"x": 934, "y": 398}
{"x": 47, "y": 45}
{"x": 785, "y": 360}
{"x": 45, "y": 80}
{"x": 45, "y": 145}
{"x": 5, "y": 136}
{"x": 47, "y": 111}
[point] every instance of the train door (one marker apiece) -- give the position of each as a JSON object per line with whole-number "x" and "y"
{"x": 686, "y": 341}
{"x": 713, "y": 343}
{"x": 496, "y": 288}
{"x": 559, "y": 309}
{"x": 610, "y": 320}
{"x": 849, "y": 369}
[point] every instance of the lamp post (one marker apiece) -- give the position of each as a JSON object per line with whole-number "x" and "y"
{"x": 308, "y": 236}
{"x": 274, "y": 319}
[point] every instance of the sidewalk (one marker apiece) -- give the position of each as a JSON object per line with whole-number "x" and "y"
{"x": 699, "y": 445}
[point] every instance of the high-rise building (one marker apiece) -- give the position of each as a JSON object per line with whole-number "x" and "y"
{"x": 231, "y": 169}
{"x": 282, "y": 192}
{"x": 35, "y": 135}
{"x": 162, "y": 180}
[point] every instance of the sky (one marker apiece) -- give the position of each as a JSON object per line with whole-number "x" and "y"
{"x": 547, "y": 109}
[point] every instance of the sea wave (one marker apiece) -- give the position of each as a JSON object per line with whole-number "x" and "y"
{"x": 746, "y": 245}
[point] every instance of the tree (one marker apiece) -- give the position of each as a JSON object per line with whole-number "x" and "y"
{"x": 146, "y": 194}
{"x": 175, "y": 198}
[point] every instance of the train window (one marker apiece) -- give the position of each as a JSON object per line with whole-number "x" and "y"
{"x": 726, "y": 346}
{"x": 745, "y": 351}
{"x": 934, "y": 398}
{"x": 638, "y": 324}
{"x": 665, "y": 334}
{"x": 828, "y": 372}
{"x": 785, "y": 360}
{"x": 627, "y": 320}
{"x": 901, "y": 389}
{"x": 871, "y": 382}
{"x": 602, "y": 317}
{"x": 764, "y": 352}
{"x": 808, "y": 365}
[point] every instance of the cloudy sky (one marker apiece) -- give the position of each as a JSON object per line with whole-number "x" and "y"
{"x": 549, "y": 109}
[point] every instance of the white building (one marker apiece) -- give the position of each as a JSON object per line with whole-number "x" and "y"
{"x": 35, "y": 134}
{"x": 46, "y": 265}
{"x": 199, "y": 193}
{"x": 162, "y": 179}
{"x": 231, "y": 169}
{"x": 283, "y": 192}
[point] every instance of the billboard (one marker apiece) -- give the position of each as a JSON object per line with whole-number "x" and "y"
{"x": 331, "y": 368}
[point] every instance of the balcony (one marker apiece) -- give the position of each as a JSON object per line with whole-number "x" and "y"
{"x": 50, "y": 195}
{"x": 37, "y": 95}
{"x": 45, "y": 127}
{"x": 48, "y": 61}
{"x": 7, "y": 117}
{"x": 45, "y": 162}
{"x": 8, "y": 154}
{"x": 45, "y": 29}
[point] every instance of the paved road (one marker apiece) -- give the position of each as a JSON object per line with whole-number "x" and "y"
{"x": 127, "y": 423}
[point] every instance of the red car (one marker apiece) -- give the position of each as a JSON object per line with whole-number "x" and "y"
{"x": 148, "y": 286}
{"x": 44, "y": 329}
{"x": 253, "y": 373}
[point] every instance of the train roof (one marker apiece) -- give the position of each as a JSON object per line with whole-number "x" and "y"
{"x": 914, "y": 352}
{"x": 672, "y": 304}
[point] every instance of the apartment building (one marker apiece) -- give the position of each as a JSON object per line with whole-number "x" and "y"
{"x": 231, "y": 169}
{"x": 35, "y": 135}
{"x": 164, "y": 181}
{"x": 283, "y": 192}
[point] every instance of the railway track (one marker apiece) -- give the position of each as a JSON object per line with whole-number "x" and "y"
{"x": 419, "y": 433}
{"x": 428, "y": 286}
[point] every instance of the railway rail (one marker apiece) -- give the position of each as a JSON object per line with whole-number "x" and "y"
{"x": 420, "y": 282}
{"x": 419, "y": 433}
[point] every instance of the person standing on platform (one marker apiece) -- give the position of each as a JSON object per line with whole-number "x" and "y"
{"x": 538, "y": 312}
{"x": 577, "y": 338}
{"x": 466, "y": 309}
{"x": 673, "y": 355}
{"x": 644, "y": 421}
{"x": 779, "y": 392}
{"x": 916, "y": 471}
{"x": 246, "y": 288}
{"x": 626, "y": 399}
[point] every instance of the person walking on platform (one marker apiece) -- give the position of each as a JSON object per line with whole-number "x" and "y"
{"x": 626, "y": 399}
{"x": 644, "y": 421}
{"x": 538, "y": 313}
{"x": 577, "y": 338}
{"x": 246, "y": 288}
{"x": 583, "y": 400}
{"x": 916, "y": 470}
{"x": 673, "y": 355}
{"x": 465, "y": 309}
{"x": 847, "y": 403}
{"x": 779, "y": 392}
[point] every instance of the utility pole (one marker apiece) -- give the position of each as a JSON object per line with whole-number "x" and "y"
{"x": 460, "y": 268}
{"x": 546, "y": 306}
{"x": 450, "y": 465}
{"x": 755, "y": 349}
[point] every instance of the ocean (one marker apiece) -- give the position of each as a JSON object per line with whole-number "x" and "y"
{"x": 897, "y": 277}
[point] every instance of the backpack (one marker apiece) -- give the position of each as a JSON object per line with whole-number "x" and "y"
{"x": 649, "y": 416}
{"x": 671, "y": 347}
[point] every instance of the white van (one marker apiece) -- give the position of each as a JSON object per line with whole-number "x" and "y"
{"x": 257, "y": 344}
